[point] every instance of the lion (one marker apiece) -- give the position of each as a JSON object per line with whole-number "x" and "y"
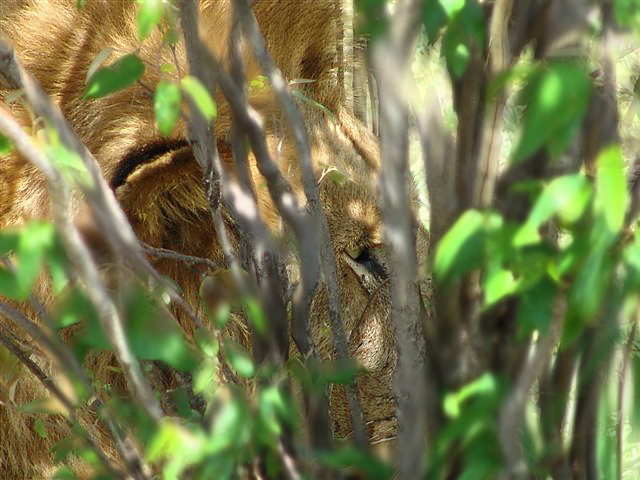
{"x": 158, "y": 182}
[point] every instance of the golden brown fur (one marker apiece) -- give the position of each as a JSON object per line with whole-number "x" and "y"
{"x": 163, "y": 198}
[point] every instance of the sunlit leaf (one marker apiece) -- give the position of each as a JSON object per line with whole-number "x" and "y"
{"x": 556, "y": 96}
{"x": 150, "y": 13}
{"x": 205, "y": 377}
{"x": 200, "y": 96}
{"x": 611, "y": 190}
{"x": 462, "y": 247}
{"x": 498, "y": 284}
{"x": 206, "y": 340}
{"x": 166, "y": 106}
{"x": 117, "y": 76}
{"x": 239, "y": 359}
{"x": 464, "y": 35}
{"x": 567, "y": 196}
{"x": 486, "y": 384}
{"x": 256, "y": 315}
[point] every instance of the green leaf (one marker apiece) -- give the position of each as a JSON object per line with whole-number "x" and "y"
{"x": 98, "y": 61}
{"x": 357, "y": 464}
{"x": 466, "y": 33}
{"x": 568, "y": 196}
{"x": 340, "y": 371}
{"x": 536, "y": 307}
{"x": 65, "y": 473}
{"x": 150, "y": 13}
{"x": 556, "y": 97}
{"x": 5, "y": 144}
{"x": 154, "y": 336}
{"x": 256, "y": 315}
{"x": 611, "y": 196}
{"x": 166, "y": 106}
{"x": 462, "y": 248}
{"x": 484, "y": 385}
{"x": 200, "y": 96}
{"x": 117, "y": 76}
{"x": 586, "y": 294}
{"x": 434, "y": 17}
{"x": 68, "y": 162}
{"x": 627, "y": 13}
{"x": 207, "y": 341}
{"x": 206, "y": 376}
{"x": 498, "y": 283}
{"x": 239, "y": 359}
{"x": 40, "y": 428}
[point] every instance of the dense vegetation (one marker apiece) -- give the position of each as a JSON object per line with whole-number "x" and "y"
{"x": 523, "y": 363}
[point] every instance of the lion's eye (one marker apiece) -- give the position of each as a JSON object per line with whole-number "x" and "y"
{"x": 368, "y": 266}
{"x": 369, "y": 259}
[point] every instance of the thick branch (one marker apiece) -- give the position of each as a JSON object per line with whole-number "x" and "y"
{"x": 392, "y": 59}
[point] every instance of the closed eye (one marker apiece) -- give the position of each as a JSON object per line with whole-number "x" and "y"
{"x": 368, "y": 259}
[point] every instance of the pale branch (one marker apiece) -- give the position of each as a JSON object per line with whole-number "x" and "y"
{"x": 237, "y": 198}
{"x": 624, "y": 380}
{"x": 309, "y": 243}
{"x": 512, "y": 412}
{"x": 500, "y": 58}
{"x": 392, "y": 58}
{"x": 81, "y": 259}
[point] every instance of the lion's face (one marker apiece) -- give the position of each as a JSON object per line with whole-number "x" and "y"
{"x": 158, "y": 182}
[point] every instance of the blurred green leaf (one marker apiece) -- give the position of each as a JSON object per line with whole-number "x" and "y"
{"x": 462, "y": 248}
{"x": 153, "y": 335}
{"x": 465, "y": 34}
{"x": 340, "y": 371}
{"x": 592, "y": 282}
{"x": 150, "y": 13}
{"x": 536, "y": 308}
{"x": 568, "y": 196}
{"x": 65, "y": 473}
{"x": 5, "y": 144}
{"x": 207, "y": 341}
{"x": 68, "y": 162}
{"x": 117, "y": 76}
{"x": 200, "y": 96}
{"x": 498, "y": 283}
{"x": 166, "y": 106}
{"x": 627, "y": 13}
{"x": 483, "y": 385}
{"x": 357, "y": 464}
{"x": 256, "y": 315}
{"x": 611, "y": 197}
{"x": 556, "y": 97}
{"x": 239, "y": 359}
{"x": 205, "y": 378}
{"x": 434, "y": 17}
